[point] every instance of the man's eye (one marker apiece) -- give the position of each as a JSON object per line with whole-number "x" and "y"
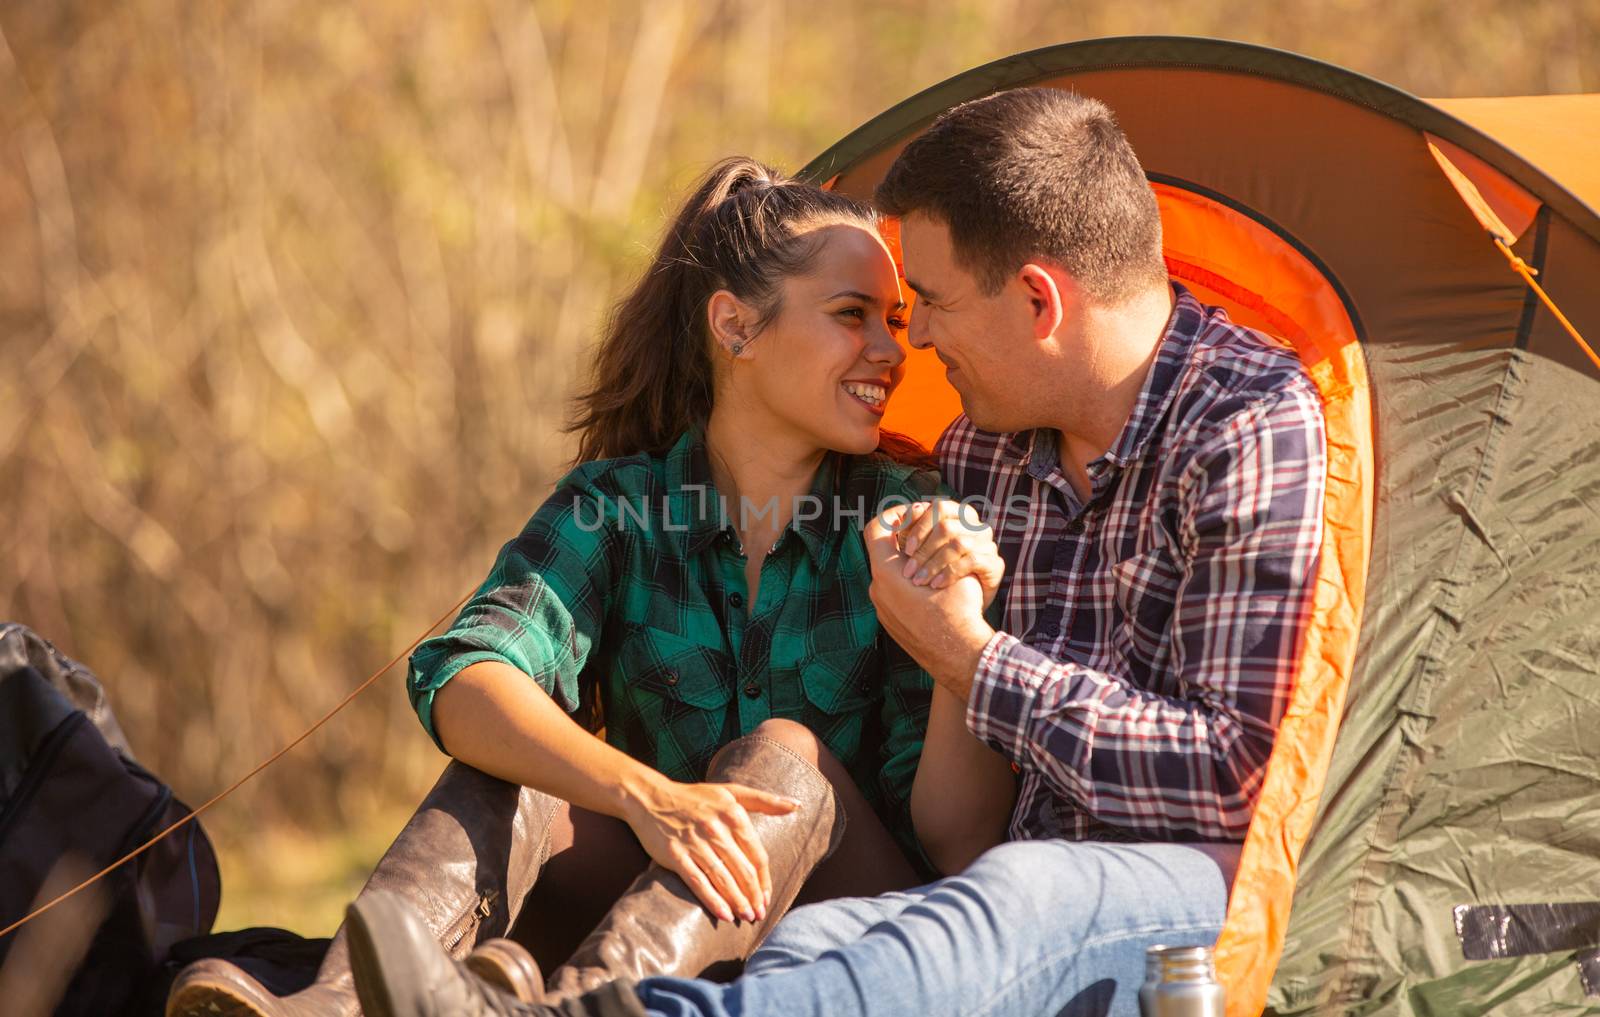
{"x": 853, "y": 312}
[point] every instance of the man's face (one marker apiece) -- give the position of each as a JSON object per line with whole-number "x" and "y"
{"x": 987, "y": 343}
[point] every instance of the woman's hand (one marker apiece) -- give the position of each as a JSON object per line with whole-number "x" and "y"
{"x": 703, "y": 833}
{"x": 944, "y": 540}
{"x": 492, "y": 717}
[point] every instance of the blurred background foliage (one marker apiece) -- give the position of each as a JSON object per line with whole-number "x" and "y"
{"x": 292, "y": 295}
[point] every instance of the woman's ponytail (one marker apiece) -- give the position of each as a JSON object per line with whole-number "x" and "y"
{"x": 741, "y": 230}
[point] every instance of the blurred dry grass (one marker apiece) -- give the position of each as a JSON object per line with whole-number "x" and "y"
{"x": 292, "y": 294}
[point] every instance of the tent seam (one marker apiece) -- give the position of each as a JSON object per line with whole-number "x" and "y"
{"x": 1394, "y": 805}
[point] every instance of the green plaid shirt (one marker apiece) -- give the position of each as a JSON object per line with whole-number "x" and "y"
{"x": 627, "y": 588}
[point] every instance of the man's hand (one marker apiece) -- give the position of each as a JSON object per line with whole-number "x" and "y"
{"x": 944, "y": 540}
{"x": 942, "y": 629}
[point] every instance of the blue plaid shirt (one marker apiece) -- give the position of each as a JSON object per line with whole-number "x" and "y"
{"x": 1150, "y": 633}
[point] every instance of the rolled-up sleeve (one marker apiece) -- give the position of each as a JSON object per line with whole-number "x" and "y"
{"x": 542, "y": 607}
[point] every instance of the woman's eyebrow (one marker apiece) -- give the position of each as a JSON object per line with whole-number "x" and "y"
{"x": 899, "y": 305}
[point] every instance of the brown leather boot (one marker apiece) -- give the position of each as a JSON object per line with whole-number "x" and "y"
{"x": 401, "y": 972}
{"x": 659, "y": 927}
{"x": 507, "y": 965}
{"x": 464, "y": 864}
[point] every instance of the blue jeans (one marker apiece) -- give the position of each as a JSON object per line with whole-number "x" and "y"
{"x": 1031, "y": 929}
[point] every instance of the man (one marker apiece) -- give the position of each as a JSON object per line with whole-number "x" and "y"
{"x": 1159, "y": 473}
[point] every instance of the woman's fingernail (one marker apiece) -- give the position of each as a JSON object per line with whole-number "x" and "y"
{"x": 942, "y": 581}
{"x": 748, "y": 915}
{"x": 911, "y": 566}
{"x": 911, "y": 545}
{"x": 922, "y": 576}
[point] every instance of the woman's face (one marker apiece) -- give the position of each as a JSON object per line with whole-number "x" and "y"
{"x": 823, "y": 368}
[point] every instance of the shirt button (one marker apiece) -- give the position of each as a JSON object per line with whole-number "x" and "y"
{"x": 672, "y": 678}
{"x": 1075, "y": 526}
{"x": 736, "y": 599}
{"x": 753, "y": 690}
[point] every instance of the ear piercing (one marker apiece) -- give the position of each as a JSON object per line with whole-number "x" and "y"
{"x": 737, "y": 348}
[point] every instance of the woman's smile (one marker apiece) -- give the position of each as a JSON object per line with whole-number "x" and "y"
{"x": 871, "y": 394}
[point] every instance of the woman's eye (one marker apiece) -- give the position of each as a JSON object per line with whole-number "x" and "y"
{"x": 899, "y": 324}
{"x": 853, "y": 312}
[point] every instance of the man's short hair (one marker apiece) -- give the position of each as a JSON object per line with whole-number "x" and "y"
{"x": 1035, "y": 173}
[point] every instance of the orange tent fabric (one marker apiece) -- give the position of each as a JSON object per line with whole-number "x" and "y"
{"x": 1352, "y": 220}
{"x": 1556, "y": 133}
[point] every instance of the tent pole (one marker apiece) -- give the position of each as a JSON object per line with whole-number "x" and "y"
{"x": 1527, "y": 272}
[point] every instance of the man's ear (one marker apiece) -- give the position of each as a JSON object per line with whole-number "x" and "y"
{"x": 1049, "y": 293}
{"x": 729, "y": 319}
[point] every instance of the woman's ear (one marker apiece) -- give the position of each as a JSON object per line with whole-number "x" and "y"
{"x": 729, "y": 319}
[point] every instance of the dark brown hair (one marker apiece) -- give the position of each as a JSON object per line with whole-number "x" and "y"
{"x": 744, "y": 229}
{"x": 1035, "y": 173}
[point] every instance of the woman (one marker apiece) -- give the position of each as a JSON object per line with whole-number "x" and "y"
{"x": 700, "y": 586}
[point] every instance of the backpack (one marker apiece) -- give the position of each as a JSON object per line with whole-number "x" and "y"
{"x": 72, "y": 800}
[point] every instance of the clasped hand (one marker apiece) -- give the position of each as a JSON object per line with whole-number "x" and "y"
{"x": 935, "y": 570}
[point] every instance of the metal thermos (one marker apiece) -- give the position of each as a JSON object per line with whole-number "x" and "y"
{"x": 1180, "y": 981}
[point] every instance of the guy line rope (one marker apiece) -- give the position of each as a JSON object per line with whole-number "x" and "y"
{"x": 308, "y": 732}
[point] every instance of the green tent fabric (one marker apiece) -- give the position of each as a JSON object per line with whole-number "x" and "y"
{"x": 1466, "y": 772}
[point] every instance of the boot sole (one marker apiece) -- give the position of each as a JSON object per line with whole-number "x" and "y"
{"x": 364, "y": 963}
{"x": 201, "y": 1000}
{"x": 505, "y": 968}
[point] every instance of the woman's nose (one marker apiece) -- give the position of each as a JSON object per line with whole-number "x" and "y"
{"x": 886, "y": 349}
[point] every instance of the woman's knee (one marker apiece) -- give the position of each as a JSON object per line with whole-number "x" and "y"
{"x": 779, "y": 756}
{"x": 785, "y": 738}
{"x": 803, "y": 742}
{"x": 794, "y": 736}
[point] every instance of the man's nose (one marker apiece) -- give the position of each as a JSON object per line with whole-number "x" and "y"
{"x": 917, "y": 331}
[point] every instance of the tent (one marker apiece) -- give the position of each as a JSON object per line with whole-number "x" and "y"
{"x": 1428, "y": 841}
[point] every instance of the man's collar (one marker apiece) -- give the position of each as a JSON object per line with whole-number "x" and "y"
{"x": 1037, "y": 450}
{"x": 1161, "y": 382}
{"x": 1018, "y": 448}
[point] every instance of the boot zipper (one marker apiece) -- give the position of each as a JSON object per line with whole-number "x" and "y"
{"x": 468, "y": 921}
